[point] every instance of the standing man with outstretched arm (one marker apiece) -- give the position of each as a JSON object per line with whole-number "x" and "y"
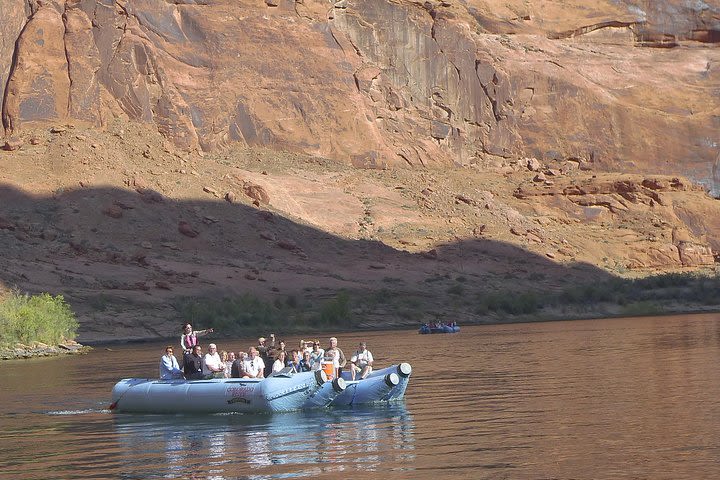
{"x": 189, "y": 337}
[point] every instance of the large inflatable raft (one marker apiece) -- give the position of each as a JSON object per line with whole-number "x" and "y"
{"x": 282, "y": 391}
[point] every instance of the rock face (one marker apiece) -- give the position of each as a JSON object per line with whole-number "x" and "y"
{"x": 14, "y": 14}
{"x": 602, "y": 199}
{"x": 620, "y": 84}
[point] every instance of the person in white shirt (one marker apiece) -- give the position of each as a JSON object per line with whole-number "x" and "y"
{"x": 254, "y": 365}
{"x": 169, "y": 368}
{"x": 228, "y": 363}
{"x": 316, "y": 356}
{"x": 361, "y": 361}
{"x": 213, "y": 364}
{"x": 279, "y": 362}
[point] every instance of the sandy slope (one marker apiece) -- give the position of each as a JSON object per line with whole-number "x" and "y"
{"x": 125, "y": 226}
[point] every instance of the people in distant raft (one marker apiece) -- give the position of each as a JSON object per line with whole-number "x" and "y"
{"x": 169, "y": 368}
{"x": 361, "y": 362}
{"x": 189, "y": 337}
{"x": 193, "y": 364}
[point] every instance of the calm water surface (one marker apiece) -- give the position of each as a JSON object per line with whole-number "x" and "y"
{"x": 606, "y": 399}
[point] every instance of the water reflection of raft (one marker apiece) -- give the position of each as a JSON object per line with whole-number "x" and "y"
{"x": 440, "y": 329}
{"x": 283, "y": 391}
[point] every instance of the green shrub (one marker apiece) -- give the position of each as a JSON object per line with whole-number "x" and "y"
{"x": 637, "y": 309}
{"x": 230, "y": 314}
{"x": 38, "y": 318}
{"x": 644, "y": 296}
{"x": 456, "y": 290}
{"x": 336, "y": 311}
{"x": 382, "y": 297}
{"x": 239, "y": 315}
{"x": 411, "y": 302}
{"x": 291, "y": 301}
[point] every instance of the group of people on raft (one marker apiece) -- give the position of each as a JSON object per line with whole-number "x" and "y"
{"x": 259, "y": 361}
{"x": 439, "y": 324}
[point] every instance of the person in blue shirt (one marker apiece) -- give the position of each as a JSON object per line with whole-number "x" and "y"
{"x": 169, "y": 368}
{"x": 305, "y": 362}
{"x": 294, "y": 361}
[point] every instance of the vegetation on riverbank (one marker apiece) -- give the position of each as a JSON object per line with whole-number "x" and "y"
{"x": 36, "y": 325}
{"x": 238, "y": 315}
{"x": 644, "y": 296}
{"x": 465, "y": 302}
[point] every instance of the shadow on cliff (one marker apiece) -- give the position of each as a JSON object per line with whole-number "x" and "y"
{"x": 145, "y": 249}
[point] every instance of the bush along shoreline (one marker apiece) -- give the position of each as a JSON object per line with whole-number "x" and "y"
{"x": 463, "y": 301}
{"x": 37, "y": 326}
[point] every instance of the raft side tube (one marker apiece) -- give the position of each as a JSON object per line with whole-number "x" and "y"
{"x": 403, "y": 371}
{"x": 369, "y": 390}
{"x": 326, "y": 394}
{"x": 274, "y": 394}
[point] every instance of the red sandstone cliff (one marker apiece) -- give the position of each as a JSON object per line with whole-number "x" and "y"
{"x": 626, "y": 85}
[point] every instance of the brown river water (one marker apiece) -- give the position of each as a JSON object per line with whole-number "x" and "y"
{"x": 604, "y": 399}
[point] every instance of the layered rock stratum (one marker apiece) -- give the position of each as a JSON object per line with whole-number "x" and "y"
{"x": 502, "y": 142}
{"x": 623, "y": 84}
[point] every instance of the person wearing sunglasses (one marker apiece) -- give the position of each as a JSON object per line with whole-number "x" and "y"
{"x": 169, "y": 367}
{"x": 317, "y": 355}
{"x": 254, "y": 365}
{"x": 193, "y": 364}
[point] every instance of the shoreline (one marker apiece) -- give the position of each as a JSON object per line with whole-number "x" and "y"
{"x": 416, "y": 325}
{"x": 40, "y": 350}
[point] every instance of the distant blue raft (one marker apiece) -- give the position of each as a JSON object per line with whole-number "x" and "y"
{"x": 439, "y": 329}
